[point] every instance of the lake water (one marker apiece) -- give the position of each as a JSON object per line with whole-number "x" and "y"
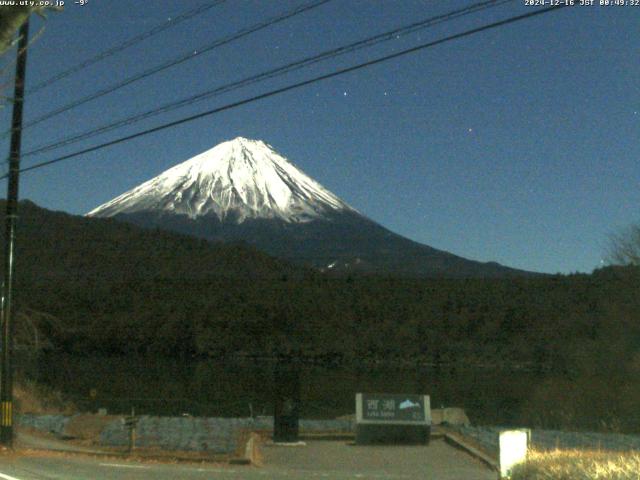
{"x": 160, "y": 386}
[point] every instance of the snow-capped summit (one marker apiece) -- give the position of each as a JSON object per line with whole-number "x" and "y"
{"x": 236, "y": 180}
{"x": 242, "y": 190}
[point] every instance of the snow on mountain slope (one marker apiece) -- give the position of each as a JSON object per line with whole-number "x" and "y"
{"x": 236, "y": 180}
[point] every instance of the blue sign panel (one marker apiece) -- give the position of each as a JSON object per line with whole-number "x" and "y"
{"x": 393, "y": 408}
{"x": 390, "y": 408}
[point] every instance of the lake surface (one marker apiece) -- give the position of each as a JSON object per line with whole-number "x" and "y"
{"x": 161, "y": 386}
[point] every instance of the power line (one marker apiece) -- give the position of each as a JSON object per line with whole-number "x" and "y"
{"x": 176, "y": 61}
{"x": 328, "y": 54}
{"x": 126, "y": 44}
{"x": 293, "y": 87}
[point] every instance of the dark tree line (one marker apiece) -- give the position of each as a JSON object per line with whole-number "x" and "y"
{"x": 115, "y": 288}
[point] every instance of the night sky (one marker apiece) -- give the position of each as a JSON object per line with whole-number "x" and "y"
{"x": 518, "y": 144}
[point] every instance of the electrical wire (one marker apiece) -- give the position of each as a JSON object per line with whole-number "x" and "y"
{"x": 326, "y": 55}
{"x": 293, "y": 87}
{"x": 176, "y": 61}
{"x": 124, "y": 45}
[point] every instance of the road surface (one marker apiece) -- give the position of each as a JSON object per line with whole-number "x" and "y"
{"x": 316, "y": 460}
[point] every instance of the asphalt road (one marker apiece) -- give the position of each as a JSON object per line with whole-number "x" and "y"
{"x": 46, "y": 466}
{"x": 320, "y": 459}
{"x": 340, "y": 460}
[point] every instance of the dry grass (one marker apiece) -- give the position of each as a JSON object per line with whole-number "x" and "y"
{"x": 33, "y": 398}
{"x": 579, "y": 465}
{"x": 88, "y": 426}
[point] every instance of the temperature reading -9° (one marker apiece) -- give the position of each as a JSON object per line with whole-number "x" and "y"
{"x": 82, "y": 3}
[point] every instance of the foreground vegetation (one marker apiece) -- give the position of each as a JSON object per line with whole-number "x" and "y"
{"x": 579, "y": 465}
{"x": 32, "y": 397}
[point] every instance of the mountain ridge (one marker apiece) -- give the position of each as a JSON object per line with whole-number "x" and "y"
{"x": 242, "y": 190}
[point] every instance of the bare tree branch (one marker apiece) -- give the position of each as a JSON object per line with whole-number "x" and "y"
{"x": 624, "y": 247}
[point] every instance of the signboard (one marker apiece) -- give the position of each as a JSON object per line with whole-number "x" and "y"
{"x": 392, "y": 418}
{"x": 393, "y": 408}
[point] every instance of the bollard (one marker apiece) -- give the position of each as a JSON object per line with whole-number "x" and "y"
{"x": 514, "y": 445}
{"x": 131, "y": 422}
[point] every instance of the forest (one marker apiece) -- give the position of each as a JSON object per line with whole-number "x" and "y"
{"x": 96, "y": 286}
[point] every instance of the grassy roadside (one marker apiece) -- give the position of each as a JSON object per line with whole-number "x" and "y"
{"x": 579, "y": 465}
{"x": 31, "y": 397}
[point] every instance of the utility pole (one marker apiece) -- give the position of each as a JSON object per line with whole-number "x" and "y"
{"x": 6, "y": 368}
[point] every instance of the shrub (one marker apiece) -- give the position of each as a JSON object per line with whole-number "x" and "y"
{"x": 579, "y": 465}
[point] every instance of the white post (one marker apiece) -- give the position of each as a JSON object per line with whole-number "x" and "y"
{"x": 514, "y": 445}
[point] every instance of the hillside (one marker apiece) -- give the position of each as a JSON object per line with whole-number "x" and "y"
{"x": 342, "y": 243}
{"x": 56, "y": 244}
{"x": 116, "y": 288}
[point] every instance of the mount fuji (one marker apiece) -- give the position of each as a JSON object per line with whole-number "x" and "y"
{"x": 243, "y": 190}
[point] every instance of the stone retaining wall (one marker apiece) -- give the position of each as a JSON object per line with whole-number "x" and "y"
{"x": 216, "y": 435}
{"x": 46, "y": 423}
